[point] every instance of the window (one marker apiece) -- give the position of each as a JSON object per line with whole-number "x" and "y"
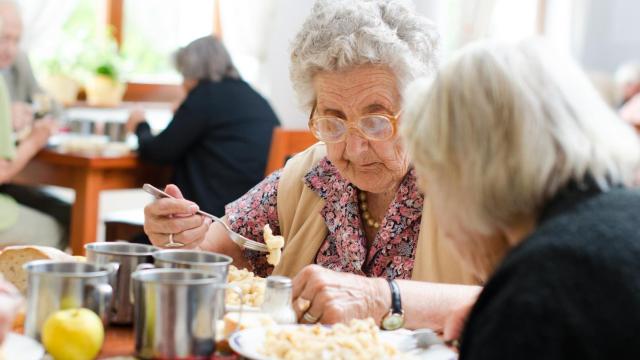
{"x": 153, "y": 29}
{"x": 70, "y": 37}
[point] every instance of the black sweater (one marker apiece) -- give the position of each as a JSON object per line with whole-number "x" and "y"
{"x": 571, "y": 290}
{"x": 217, "y": 142}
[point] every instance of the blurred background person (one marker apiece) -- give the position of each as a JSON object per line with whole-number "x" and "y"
{"x": 15, "y": 66}
{"x": 513, "y": 142}
{"x": 22, "y": 87}
{"x": 20, "y": 224}
{"x": 218, "y": 140}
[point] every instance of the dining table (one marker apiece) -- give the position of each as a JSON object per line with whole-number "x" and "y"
{"x": 119, "y": 342}
{"x": 88, "y": 175}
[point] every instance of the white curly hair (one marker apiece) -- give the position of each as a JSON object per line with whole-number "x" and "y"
{"x": 340, "y": 34}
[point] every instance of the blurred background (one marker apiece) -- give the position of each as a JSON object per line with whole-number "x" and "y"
{"x": 135, "y": 38}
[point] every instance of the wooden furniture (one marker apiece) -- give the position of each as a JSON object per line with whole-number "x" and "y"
{"x": 286, "y": 143}
{"x": 124, "y": 224}
{"x": 88, "y": 175}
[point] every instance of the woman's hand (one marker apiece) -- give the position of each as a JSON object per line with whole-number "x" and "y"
{"x": 176, "y": 218}
{"x": 21, "y": 115}
{"x": 337, "y": 297}
{"x": 41, "y": 131}
{"x": 135, "y": 118}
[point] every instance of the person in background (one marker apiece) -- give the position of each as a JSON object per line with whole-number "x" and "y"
{"x": 219, "y": 137}
{"x": 628, "y": 81}
{"x": 513, "y": 141}
{"x": 15, "y": 66}
{"x": 20, "y": 224}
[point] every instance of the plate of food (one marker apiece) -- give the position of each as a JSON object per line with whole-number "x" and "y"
{"x": 359, "y": 339}
{"x": 18, "y": 346}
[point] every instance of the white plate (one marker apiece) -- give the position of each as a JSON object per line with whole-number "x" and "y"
{"x": 248, "y": 342}
{"x": 21, "y": 347}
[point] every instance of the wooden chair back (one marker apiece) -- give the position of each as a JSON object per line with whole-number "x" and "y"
{"x": 284, "y": 144}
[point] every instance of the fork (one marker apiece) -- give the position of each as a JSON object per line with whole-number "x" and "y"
{"x": 234, "y": 236}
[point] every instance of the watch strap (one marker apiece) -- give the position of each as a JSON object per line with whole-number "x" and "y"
{"x": 396, "y": 302}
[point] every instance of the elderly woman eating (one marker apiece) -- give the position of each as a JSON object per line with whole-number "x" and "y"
{"x": 512, "y": 142}
{"x": 350, "y": 203}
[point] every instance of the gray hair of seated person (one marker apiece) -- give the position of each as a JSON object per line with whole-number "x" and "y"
{"x": 502, "y": 128}
{"x": 341, "y": 34}
{"x": 205, "y": 59}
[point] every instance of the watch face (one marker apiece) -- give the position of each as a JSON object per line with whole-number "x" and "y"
{"x": 393, "y": 321}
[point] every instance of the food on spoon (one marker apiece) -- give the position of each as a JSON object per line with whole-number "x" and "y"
{"x": 359, "y": 339}
{"x": 13, "y": 257}
{"x": 274, "y": 244}
{"x": 252, "y": 287}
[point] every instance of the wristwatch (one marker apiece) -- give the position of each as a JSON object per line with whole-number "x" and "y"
{"x": 394, "y": 319}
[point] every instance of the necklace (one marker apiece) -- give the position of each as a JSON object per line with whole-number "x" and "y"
{"x": 364, "y": 210}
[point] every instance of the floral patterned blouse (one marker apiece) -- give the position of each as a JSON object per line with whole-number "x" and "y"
{"x": 392, "y": 252}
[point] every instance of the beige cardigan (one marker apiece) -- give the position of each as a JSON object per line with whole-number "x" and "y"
{"x": 304, "y": 228}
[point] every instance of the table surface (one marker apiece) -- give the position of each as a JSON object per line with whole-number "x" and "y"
{"x": 88, "y": 176}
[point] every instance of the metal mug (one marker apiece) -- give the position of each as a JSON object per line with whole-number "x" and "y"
{"x": 129, "y": 256}
{"x": 57, "y": 285}
{"x": 115, "y": 130}
{"x": 211, "y": 262}
{"x": 176, "y": 312}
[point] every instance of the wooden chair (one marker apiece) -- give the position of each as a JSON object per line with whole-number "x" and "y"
{"x": 286, "y": 143}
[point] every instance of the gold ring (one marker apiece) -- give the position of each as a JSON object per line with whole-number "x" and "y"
{"x": 309, "y": 318}
{"x": 173, "y": 244}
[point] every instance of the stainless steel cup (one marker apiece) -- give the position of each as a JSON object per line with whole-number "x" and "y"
{"x": 116, "y": 131}
{"x": 176, "y": 312}
{"x": 56, "y": 285}
{"x": 211, "y": 262}
{"x": 129, "y": 257}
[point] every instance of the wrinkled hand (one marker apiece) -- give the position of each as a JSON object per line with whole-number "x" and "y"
{"x": 42, "y": 130}
{"x": 337, "y": 297}
{"x": 10, "y": 300}
{"x": 135, "y": 118}
{"x": 174, "y": 216}
{"x": 21, "y": 115}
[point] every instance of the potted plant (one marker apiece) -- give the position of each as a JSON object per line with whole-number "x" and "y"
{"x": 104, "y": 88}
{"x": 104, "y": 85}
{"x": 60, "y": 79}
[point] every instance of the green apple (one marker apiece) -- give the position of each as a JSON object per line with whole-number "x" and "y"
{"x": 73, "y": 334}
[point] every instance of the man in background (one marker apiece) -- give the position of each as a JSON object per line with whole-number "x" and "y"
{"x": 15, "y": 66}
{"x": 22, "y": 87}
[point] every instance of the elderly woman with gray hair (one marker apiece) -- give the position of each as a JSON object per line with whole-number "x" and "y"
{"x": 220, "y": 135}
{"x": 511, "y": 142}
{"x": 348, "y": 205}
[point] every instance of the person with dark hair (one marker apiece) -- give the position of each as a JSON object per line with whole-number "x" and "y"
{"x": 220, "y": 135}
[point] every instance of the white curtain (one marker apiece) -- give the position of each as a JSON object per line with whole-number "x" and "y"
{"x": 43, "y": 20}
{"x": 245, "y": 33}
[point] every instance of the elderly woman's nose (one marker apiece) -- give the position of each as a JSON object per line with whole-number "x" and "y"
{"x": 356, "y": 144}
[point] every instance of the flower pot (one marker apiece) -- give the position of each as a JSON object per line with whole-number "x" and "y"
{"x": 62, "y": 88}
{"x": 104, "y": 91}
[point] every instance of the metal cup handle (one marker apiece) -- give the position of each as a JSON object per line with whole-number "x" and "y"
{"x": 97, "y": 297}
{"x": 140, "y": 267}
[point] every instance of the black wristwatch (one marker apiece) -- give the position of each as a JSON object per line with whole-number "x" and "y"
{"x": 394, "y": 319}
